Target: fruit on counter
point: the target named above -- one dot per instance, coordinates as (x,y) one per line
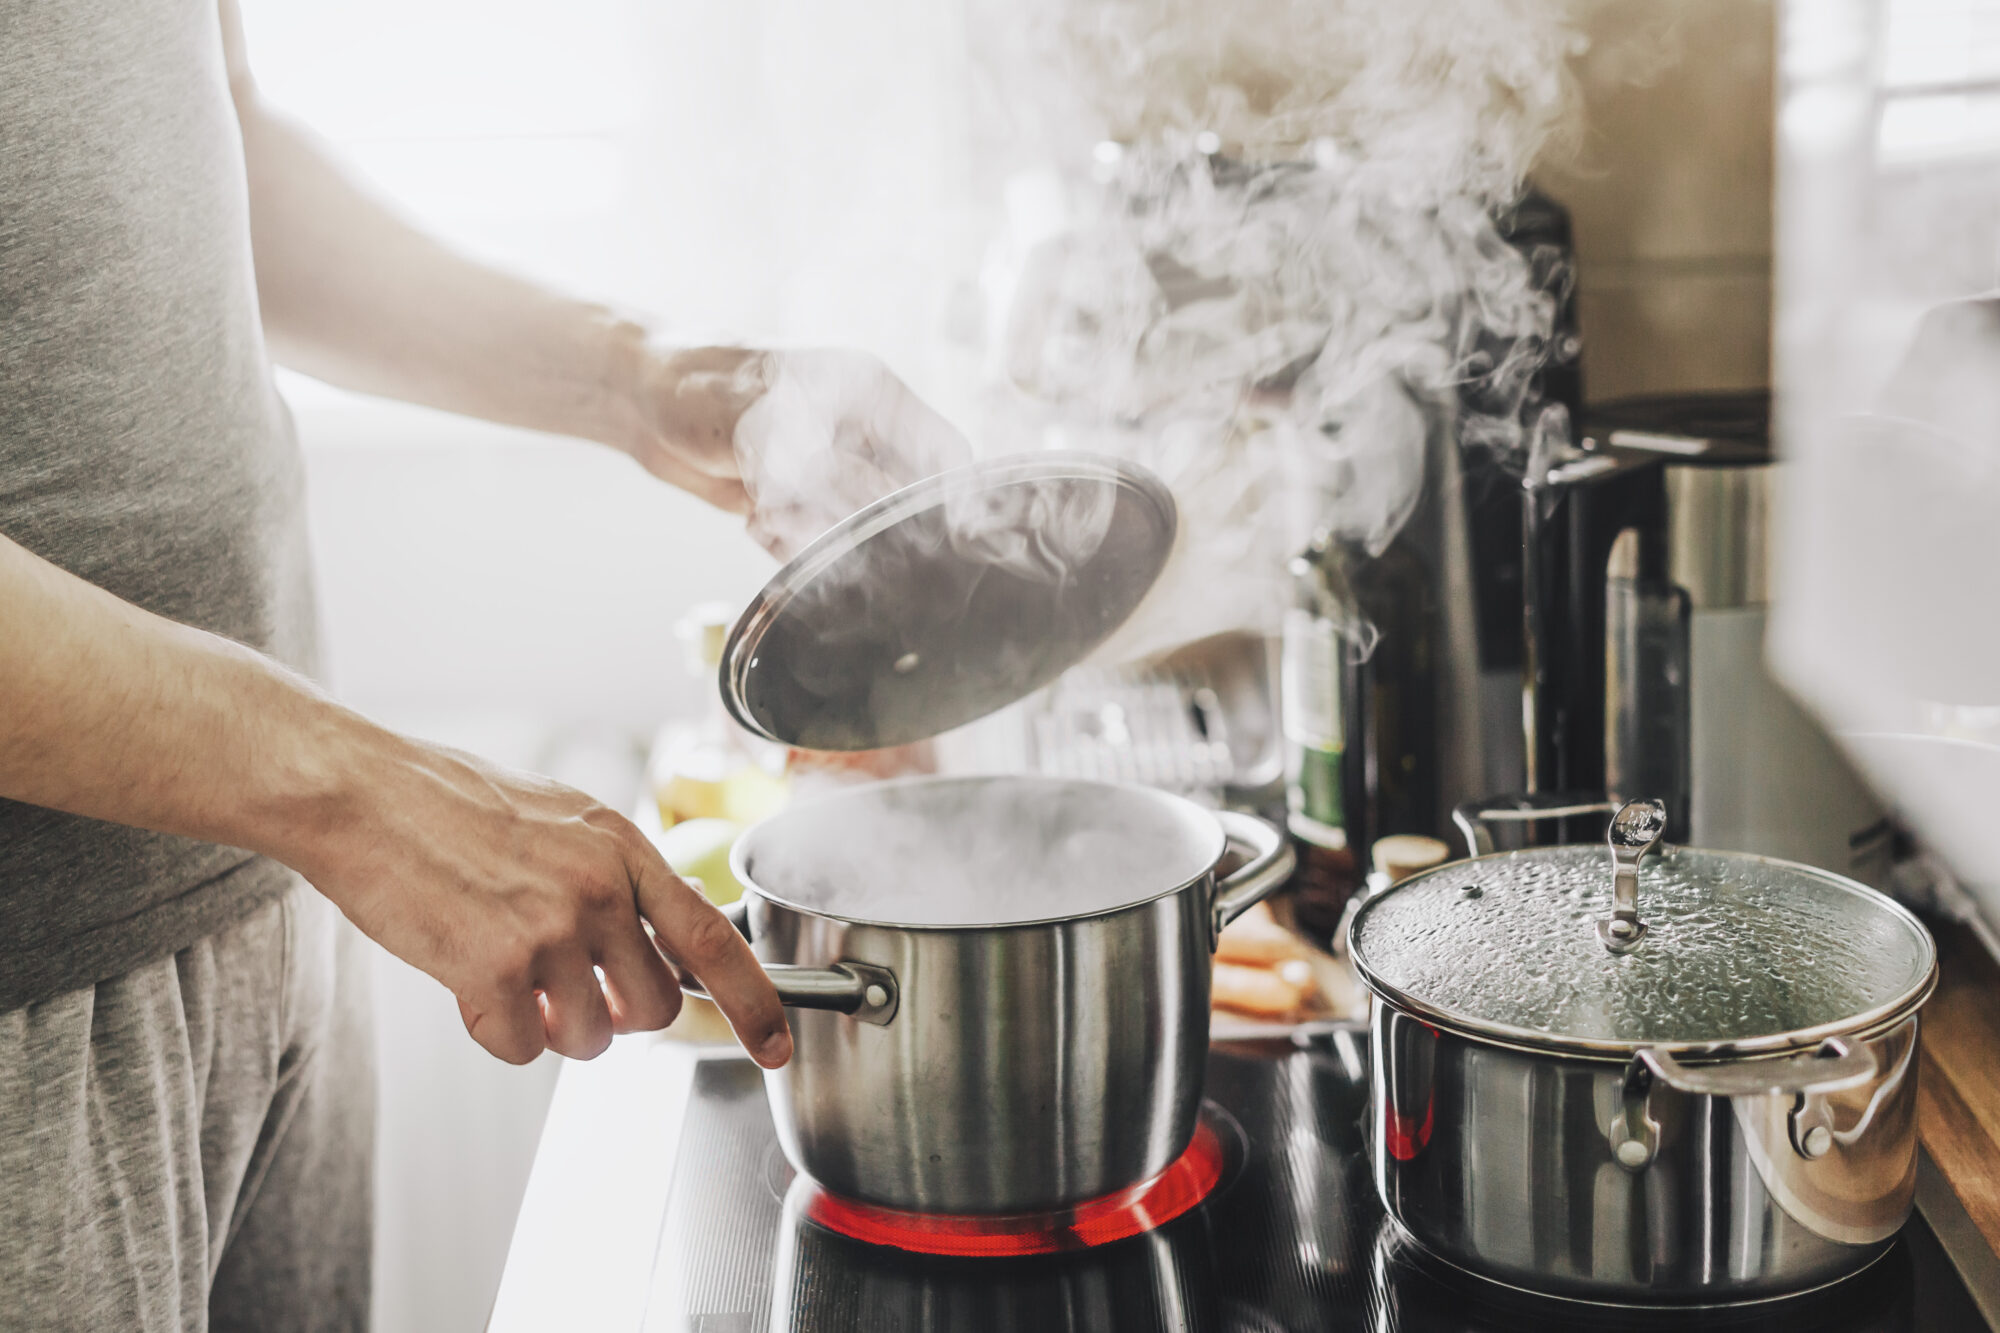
(708,767)
(691,781)
(699,849)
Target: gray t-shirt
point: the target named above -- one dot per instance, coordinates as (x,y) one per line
(142,444)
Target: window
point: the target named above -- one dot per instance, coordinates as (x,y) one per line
(1940,79)
(502,124)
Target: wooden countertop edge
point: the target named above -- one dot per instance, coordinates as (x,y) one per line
(1958,1077)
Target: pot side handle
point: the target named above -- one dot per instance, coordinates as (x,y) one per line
(863,990)
(1836,1066)
(1270,865)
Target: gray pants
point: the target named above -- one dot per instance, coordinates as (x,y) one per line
(189,1146)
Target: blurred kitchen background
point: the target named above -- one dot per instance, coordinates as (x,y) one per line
(820,171)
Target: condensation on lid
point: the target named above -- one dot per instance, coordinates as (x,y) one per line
(1737,947)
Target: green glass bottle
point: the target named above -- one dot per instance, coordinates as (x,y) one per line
(1313,706)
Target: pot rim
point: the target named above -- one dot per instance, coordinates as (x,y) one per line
(1693,1053)
(1879,1018)
(1181,806)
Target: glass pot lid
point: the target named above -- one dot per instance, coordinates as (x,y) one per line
(1726,951)
(947,601)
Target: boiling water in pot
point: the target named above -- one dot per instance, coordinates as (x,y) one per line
(980,851)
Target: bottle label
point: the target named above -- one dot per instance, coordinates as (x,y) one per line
(1309,676)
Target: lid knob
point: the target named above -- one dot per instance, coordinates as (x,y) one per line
(1635,830)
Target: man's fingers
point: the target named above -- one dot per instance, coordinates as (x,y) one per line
(783,530)
(700,939)
(726,493)
(642,991)
(574,1015)
(511,1030)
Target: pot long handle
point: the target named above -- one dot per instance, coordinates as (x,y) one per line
(867,992)
(1270,865)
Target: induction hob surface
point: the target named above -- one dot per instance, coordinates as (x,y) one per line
(1293,1238)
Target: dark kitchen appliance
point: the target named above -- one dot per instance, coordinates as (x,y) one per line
(1605,674)
(1423,715)
(1291,1240)
(1646,551)
(1595,533)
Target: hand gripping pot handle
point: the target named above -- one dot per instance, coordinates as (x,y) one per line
(1270,865)
(861,989)
(1836,1066)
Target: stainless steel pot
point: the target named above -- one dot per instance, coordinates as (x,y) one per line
(1704,1095)
(1017,1023)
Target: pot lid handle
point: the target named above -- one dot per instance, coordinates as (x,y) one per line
(1635,830)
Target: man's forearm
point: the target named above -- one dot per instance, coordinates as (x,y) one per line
(522,896)
(355,294)
(111,712)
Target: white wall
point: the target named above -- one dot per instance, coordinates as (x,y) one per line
(466,569)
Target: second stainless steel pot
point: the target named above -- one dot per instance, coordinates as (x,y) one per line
(1704,1094)
(1019,1021)
(1609,1182)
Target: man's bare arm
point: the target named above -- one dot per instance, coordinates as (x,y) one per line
(355,294)
(507,888)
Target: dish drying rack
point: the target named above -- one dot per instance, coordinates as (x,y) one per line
(1201,722)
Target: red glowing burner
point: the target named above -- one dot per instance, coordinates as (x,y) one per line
(1140,1208)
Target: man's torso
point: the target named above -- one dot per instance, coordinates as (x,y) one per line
(142,445)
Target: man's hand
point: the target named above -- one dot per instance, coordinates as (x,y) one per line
(793,440)
(518,894)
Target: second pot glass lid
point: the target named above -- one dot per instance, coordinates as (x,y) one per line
(1737,949)
(947,601)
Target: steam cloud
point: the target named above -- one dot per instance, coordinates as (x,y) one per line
(970,852)
(1254,245)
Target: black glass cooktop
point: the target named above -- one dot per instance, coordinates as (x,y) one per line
(1293,1239)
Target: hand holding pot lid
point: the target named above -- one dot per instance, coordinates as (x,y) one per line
(794,440)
